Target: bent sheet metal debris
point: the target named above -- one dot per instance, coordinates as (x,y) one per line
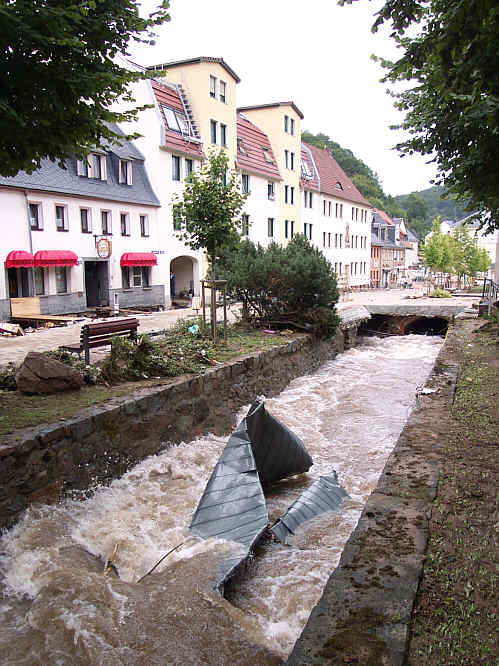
(260,451)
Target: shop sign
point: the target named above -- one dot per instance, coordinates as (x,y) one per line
(104,248)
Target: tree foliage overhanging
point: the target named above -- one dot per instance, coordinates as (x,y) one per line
(277,285)
(60,76)
(452,108)
(206,214)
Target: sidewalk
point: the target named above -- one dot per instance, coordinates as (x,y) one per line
(44,339)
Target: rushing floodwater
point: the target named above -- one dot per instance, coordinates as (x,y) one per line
(56,606)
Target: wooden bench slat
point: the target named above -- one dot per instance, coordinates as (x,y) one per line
(102,333)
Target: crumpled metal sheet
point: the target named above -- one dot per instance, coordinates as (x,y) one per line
(233,507)
(322,496)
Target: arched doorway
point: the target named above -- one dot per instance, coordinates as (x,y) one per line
(184,279)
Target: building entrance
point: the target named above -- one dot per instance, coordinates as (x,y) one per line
(97,283)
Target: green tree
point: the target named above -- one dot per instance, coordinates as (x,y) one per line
(294,284)
(449,56)
(207,213)
(60,76)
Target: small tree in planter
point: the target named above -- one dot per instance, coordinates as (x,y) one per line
(206,214)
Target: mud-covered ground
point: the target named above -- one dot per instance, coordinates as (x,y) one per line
(454,619)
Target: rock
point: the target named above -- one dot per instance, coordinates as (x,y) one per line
(41,374)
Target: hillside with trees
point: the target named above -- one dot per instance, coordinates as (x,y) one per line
(418,208)
(364,178)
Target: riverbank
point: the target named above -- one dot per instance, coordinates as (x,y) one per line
(454,618)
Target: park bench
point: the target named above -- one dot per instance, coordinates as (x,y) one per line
(102,334)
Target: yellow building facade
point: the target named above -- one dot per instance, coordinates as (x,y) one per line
(281,122)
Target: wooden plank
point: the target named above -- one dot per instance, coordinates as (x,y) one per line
(27,306)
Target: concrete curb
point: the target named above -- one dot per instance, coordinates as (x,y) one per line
(364,614)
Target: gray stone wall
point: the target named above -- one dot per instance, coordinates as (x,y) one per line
(102,442)
(5,309)
(139,296)
(54,304)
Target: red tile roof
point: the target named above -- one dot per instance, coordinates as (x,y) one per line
(168,95)
(330,173)
(254,141)
(384,216)
(308,182)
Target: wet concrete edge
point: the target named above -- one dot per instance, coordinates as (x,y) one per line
(365,610)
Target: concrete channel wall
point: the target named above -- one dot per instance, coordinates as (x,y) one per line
(364,613)
(46,462)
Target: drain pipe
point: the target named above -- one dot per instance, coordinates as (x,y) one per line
(31,288)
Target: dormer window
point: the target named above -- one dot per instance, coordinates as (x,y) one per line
(267,155)
(240,146)
(339,186)
(305,170)
(176,120)
(93,167)
(125,172)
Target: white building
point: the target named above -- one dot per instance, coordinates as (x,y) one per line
(74,237)
(336,217)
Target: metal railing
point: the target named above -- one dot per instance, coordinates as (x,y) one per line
(490,293)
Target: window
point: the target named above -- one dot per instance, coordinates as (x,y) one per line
(307,230)
(267,155)
(61,218)
(125,277)
(140,277)
(324,207)
(270,227)
(245,225)
(39,281)
(286,159)
(336,267)
(339,186)
(213,130)
(144,225)
(292,228)
(292,161)
(286,228)
(286,193)
(125,172)
(92,167)
(125,224)
(341,268)
(61,281)
(291,125)
(106,222)
(97,167)
(323,239)
(305,170)
(189,166)
(223,134)
(270,191)
(329,240)
(335,240)
(223,92)
(341,210)
(341,241)
(292,195)
(308,199)
(329,208)
(286,124)
(289,228)
(86,225)
(175,167)
(35,217)
(241,147)
(176,121)
(213,87)
(245,183)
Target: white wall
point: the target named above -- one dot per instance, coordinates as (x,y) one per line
(15,236)
(259,208)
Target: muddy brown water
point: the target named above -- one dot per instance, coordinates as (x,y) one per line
(57,607)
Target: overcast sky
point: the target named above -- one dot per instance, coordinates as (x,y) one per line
(314,53)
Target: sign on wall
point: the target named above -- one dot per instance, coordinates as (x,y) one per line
(104,248)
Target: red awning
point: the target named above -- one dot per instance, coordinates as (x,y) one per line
(138,259)
(56,258)
(19,259)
